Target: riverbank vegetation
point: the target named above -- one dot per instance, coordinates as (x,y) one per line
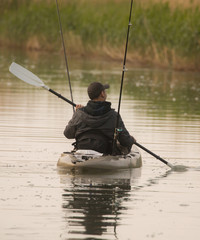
(164,33)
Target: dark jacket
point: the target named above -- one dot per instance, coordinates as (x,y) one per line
(93,128)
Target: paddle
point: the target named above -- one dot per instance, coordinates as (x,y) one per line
(177,168)
(30,78)
(156,156)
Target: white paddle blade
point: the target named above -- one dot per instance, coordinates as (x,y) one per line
(25,75)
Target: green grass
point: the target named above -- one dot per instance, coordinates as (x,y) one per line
(159,34)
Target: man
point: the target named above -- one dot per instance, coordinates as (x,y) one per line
(93,126)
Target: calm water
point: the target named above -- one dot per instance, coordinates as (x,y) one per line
(38,201)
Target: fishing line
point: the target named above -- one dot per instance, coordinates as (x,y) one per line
(64,50)
(122,81)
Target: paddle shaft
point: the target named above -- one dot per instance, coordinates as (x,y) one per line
(60,96)
(30,78)
(153,154)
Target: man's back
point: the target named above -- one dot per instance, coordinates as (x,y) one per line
(93,128)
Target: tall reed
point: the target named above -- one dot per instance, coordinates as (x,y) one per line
(161,34)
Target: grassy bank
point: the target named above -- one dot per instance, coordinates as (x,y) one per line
(163,34)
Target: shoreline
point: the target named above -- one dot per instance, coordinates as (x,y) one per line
(132,58)
(161,36)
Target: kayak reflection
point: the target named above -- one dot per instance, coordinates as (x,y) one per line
(94,201)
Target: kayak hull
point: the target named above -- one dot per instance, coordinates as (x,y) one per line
(93,159)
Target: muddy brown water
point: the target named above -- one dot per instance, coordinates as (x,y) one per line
(39,201)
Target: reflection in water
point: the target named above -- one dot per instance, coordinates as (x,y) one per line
(94,201)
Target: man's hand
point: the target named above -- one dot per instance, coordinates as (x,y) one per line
(78,106)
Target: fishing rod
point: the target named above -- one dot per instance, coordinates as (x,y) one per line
(64,50)
(122,81)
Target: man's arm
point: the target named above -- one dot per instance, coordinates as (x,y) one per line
(70,129)
(124,137)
